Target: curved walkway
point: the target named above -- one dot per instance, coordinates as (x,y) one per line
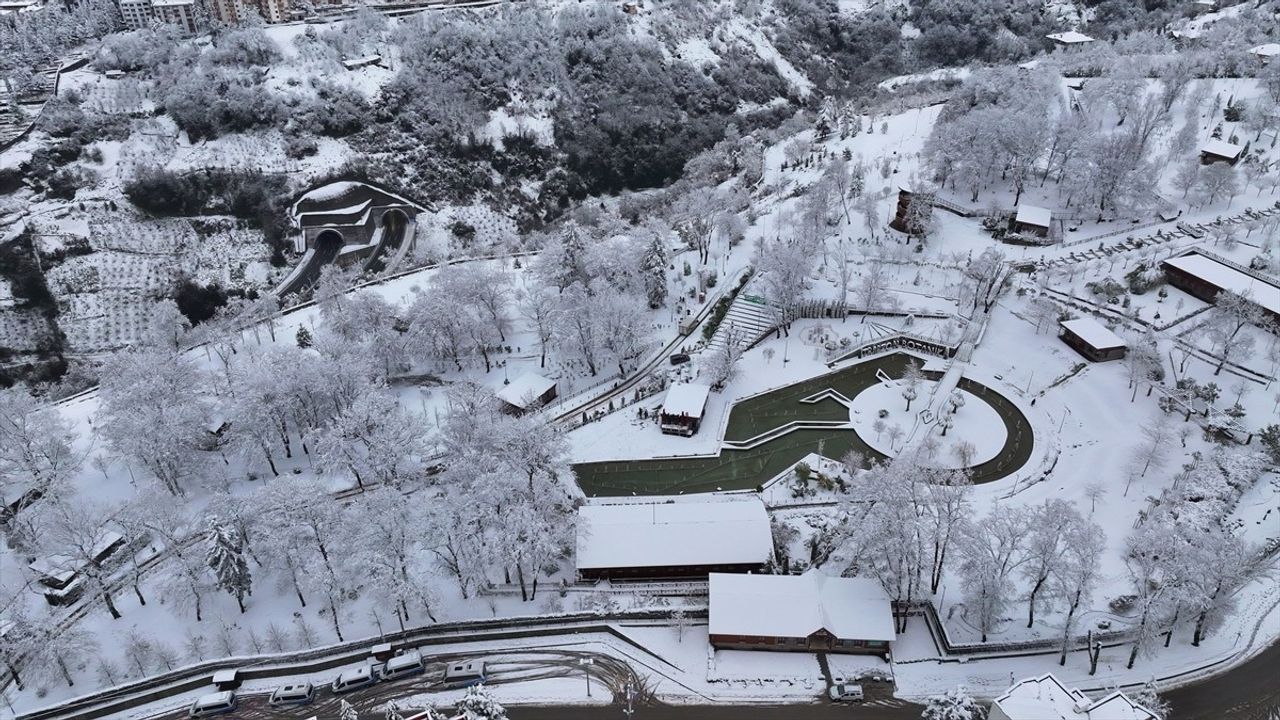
(755,417)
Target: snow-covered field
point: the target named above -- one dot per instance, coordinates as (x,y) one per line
(1110,454)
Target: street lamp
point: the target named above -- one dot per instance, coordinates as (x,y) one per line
(586,664)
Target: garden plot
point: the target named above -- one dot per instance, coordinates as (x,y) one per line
(464,231)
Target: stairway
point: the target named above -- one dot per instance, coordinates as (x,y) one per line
(750,318)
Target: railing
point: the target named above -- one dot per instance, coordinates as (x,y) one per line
(117,700)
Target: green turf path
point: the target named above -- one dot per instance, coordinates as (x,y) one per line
(744,469)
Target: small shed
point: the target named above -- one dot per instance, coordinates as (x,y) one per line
(1220,151)
(227,679)
(1070,38)
(1092,339)
(805,613)
(1032,220)
(683,408)
(672,537)
(528,392)
(360,62)
(1265,52)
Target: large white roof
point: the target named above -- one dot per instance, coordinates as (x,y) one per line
(673,532)
(1260,292)
(1094,333)
(686,399)
(1033,215)
(1221,148)
(522,391)
(1046,698)
(1070,37)
(1267,50)
(796,606)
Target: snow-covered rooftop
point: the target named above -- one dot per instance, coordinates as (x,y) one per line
(673,533)
(1094,333)
(1221,148)
(796,606)
(686,399)
(1070,37)
(1046,698)
(524,390)
(1267,50)
(1033,215)
(1262,293)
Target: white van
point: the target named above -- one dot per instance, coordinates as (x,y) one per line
(350,680)
(213,704)
(851,692)
(464,674)
(300,694)
(403,666)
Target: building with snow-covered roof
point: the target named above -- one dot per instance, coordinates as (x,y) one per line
(1046,698)
(1205,275)
(806,613)
(1070,38)
(1266,51)
(1032,220)
(672,537)
(1092,339)
(682,409)
(528,392)
(1219,151)
(361,62)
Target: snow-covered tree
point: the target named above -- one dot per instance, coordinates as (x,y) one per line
(912,377)
(654,270)
(1055,523)
(720,364)
(478,704)
(871,291)
(1077,574)
(375,439)
(539,306)
(37,450)
(346,711)
(784,270)
(990,552)
(151,413)
(1149,698)
(73,530)
(224,554)
(955,704)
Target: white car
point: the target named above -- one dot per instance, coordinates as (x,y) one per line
(846,693)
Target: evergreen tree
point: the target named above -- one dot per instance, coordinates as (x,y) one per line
(304,338)
(225,557)
(655,272)
(955,704)
(478,705)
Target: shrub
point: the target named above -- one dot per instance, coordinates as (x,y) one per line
(199,302)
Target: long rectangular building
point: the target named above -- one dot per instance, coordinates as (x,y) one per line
(672,537)
(804,613)
(1204,275)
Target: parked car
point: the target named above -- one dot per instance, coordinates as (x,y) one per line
(846,693)
(300,694)
(465,674)
(360,677)
(213,704)
(403,666)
